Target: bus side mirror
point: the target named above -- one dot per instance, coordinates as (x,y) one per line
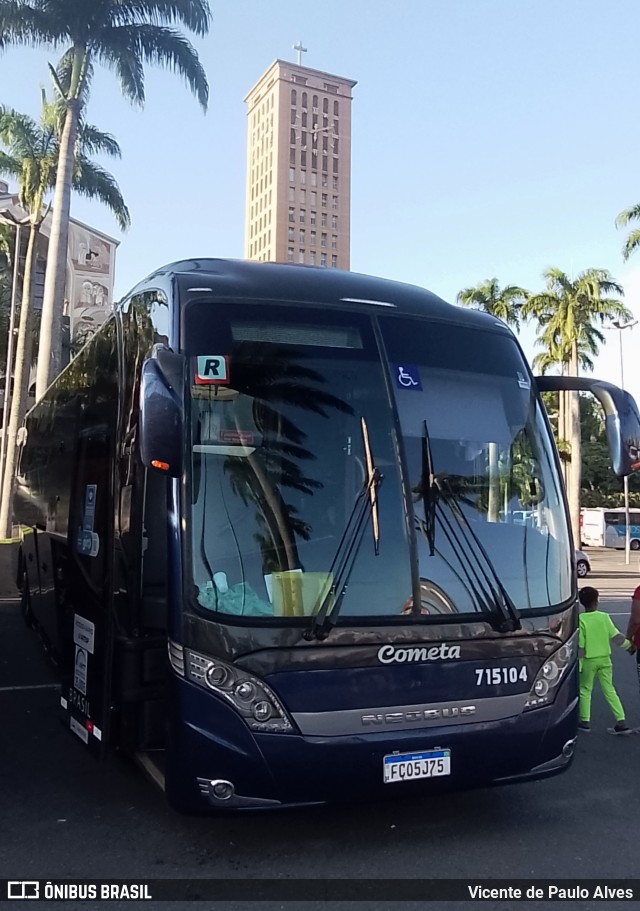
(621,412)
(161,423)
(623,433)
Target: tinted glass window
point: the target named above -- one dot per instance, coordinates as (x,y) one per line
(287,407)
(481,467)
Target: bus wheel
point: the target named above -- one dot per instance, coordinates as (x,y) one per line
(635,544)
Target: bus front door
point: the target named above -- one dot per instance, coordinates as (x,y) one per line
(86,577)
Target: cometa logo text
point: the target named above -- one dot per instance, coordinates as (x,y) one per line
(392,654)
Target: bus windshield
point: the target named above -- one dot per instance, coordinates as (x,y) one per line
(290,410)
(491,459)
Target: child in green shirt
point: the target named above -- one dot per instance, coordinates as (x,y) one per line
(597,631)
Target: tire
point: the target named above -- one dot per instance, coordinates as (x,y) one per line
(582,568)
(635,544)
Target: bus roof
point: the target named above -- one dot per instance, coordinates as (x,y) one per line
(268,281)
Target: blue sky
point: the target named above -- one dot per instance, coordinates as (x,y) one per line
(490,138)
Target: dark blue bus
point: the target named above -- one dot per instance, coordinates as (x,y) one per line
(274,540)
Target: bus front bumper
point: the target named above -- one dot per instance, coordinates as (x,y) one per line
(215,761)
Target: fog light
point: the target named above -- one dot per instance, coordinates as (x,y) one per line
(569,748)
(223,790)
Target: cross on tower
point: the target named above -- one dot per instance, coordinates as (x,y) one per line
(301,50)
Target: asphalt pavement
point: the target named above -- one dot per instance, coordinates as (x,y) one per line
(62,815)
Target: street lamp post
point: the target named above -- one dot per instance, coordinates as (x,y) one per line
(627,537)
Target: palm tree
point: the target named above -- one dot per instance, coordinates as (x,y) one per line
(31,157)
(5,307)
(504,303)
(123,35)
(568,313)
(6,232)
(552,357)
(633,240)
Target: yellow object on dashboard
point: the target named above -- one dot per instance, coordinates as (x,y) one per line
(299,594)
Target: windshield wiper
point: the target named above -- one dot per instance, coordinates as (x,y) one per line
(500,600)
(486,588)
(429,490)
(373,487)
(366,503)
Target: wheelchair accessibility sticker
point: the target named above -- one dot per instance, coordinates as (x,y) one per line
(407,376)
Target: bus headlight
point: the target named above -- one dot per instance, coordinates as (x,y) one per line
(251,697)
(551,673)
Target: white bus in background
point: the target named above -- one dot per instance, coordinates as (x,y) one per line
(602,527)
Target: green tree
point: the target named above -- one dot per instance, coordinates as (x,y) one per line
(600,486)
(504,303)
(568,313)
(6,238)
(552,356)
(31,153)
(122,35)
(633,240)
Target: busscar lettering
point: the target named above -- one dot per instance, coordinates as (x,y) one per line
(417,715)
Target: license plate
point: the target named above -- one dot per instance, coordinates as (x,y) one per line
(410,766)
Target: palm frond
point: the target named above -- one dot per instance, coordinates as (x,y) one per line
(627,215)
(195,15)
(569,311)
(18,131)
(9,165)
(93,141)
(29,24)
(505,303)
(631,244)
(120,55)
(32,158)
(92,181)
(121,34)
(167,47)
(544,362)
